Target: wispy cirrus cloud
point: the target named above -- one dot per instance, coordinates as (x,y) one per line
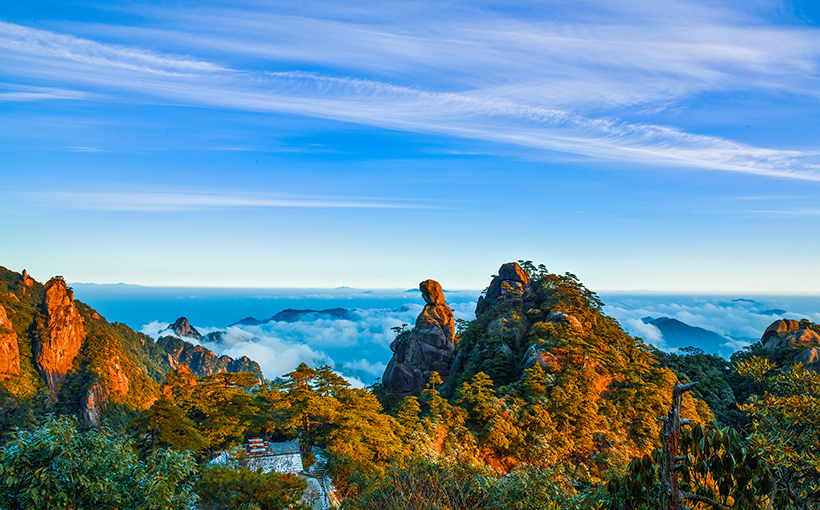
(587,89)
(137,201)
(35,43)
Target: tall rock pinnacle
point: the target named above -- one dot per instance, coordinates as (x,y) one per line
(55,352)
(425,349)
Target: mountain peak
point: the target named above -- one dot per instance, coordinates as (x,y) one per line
(183,328)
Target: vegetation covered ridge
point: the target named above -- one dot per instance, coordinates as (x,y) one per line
(542,402)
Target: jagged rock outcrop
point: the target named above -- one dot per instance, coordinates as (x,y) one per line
(202,361)
(183,328)
(512,282)
(57,347)
(425,349)
(9,350)
(788,335)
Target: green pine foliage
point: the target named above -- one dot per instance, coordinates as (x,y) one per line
(56,466)
(237,486)
(596,395)
(716,382)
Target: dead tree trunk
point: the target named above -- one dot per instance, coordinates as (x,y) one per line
(671,461)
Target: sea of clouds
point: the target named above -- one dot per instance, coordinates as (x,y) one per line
(740,320)
(357,347)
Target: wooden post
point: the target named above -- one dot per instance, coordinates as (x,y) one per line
(669,463)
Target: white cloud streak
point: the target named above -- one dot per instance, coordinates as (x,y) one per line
(135,201)
(558,86)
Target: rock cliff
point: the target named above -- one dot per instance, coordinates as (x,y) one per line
(787,337)
(60,344)
(95,369)
(9,351)
(425,349)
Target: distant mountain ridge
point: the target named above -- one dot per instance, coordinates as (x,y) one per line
(291,315)
(678,334)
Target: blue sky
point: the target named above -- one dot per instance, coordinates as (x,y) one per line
(669,146)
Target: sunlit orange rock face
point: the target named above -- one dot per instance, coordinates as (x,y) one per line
(788,334)
(58,346)
(425,349)
(437,318)
(9,352)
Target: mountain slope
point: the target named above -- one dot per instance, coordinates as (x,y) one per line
(542,365)
(59,353)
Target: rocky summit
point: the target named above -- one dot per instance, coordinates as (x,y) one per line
(511,281)
(426,348)
(183,328)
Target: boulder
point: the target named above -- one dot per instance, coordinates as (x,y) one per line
(786,334)
(431,292)
(9,351)
(782,326)
(425,349)
(54,352)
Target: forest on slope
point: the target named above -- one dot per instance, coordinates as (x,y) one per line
(542,401)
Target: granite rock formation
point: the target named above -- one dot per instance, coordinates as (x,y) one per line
(183,328)
(202,361)
(512,282)
(786,335)
(426,348)
(9,350)
(60,344)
